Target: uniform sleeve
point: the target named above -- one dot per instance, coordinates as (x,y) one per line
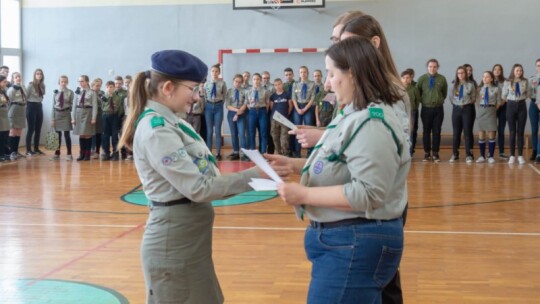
(181,172)
(94,102)
(445,86)
(499,97)
(528,89)
(419,84)
(505,90)
(224,89)
(11,93)
(294,97)
(373,163)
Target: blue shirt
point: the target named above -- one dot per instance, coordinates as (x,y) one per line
(281,103)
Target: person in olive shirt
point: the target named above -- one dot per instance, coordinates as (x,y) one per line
(433,89)
(414,98)
(112,105)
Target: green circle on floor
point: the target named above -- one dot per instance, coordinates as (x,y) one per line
(137,197)
(30,291)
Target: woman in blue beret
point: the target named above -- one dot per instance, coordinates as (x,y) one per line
(180,178)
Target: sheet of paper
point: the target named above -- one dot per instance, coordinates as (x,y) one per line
(263,184)
(282,119)
(256,157)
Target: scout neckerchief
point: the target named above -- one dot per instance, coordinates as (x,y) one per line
(486,96)
(160,121)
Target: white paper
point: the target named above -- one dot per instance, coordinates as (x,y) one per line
(256,157)
(263,184)
(282,119)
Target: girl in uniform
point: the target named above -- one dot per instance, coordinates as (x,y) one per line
(355,184)
(180,178)
(84,116)
(498,72)
(61,115)
(237,106)
(4,121)
(216,89)
(515,91)
(462,97)
(304,109)
(534,83)
(16,113)
(34,111)
(489,98)
(258,100)
(97,138)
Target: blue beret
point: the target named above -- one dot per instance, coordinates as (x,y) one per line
(179,64)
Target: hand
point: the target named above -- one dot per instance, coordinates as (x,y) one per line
(307,137)
(93,121)
(235,118)
(292,193)
(281,164)
(53,124)
(73,121)
(318,123)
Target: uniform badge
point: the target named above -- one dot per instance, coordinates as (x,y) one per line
(166,160)
(318,167)
(202,164)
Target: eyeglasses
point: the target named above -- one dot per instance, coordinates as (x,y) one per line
(334,39)
(193,88)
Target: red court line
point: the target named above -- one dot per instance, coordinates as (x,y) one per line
(75,260)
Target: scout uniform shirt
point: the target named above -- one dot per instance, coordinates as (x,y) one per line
(534,83)
(234,99)
(366,152)
(464,94)
(516,90)
(173,161)
(257,98)
(302,92)
(33,94)
(113,104)
(493,96)
(4,121)
(217,94)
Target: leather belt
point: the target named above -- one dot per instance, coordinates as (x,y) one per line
(181,201)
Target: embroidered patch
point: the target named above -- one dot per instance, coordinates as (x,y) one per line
(166,160)
(157,121)
(318,167)
(202,164)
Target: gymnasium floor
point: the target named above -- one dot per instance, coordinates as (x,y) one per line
(472,236)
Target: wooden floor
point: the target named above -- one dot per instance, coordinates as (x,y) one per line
(472,235)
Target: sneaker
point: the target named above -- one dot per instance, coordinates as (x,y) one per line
(69,158)
(19,155)
(130,157)
(491,160)
(94,155)
(38,151)
(115,156)
(533,155)
(234,156)
(244,158)
(55,157)
(481,159)
(503,156)
(105,157)
(218,157)
(511,160)
(469,159)
(521,160)
(436,158)
(29,153)
(454,158)
(13,156)
(427,158)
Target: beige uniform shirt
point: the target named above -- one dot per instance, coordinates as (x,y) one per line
(372,172)
(469,94)
(173,162)
(509,90)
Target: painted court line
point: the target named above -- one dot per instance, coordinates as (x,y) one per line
(69,225)
(535,169)
(89,252)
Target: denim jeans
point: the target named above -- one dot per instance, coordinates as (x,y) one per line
(533,116)
(213,114)
(352,264)
(307,119)
(238,130)
(258,117)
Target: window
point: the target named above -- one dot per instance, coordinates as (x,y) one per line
(10,34)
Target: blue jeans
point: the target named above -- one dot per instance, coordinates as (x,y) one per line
(238,130)
(533,116)
(352,264)
(258,117)
(307,119)
(213,114)
(111,127)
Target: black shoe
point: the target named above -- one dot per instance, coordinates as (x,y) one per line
(503,156)
(30,153)
(81,157)
(38,151)
(533,155)
(244,158)
(105,157)
(537,159)
(234,156)
(218,157)
(427,157)
(436,158)
(115,156)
